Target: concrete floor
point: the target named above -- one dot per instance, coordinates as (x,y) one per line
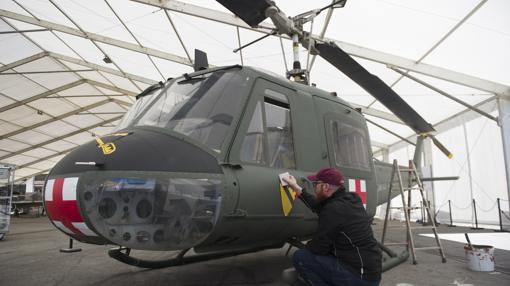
(29,255)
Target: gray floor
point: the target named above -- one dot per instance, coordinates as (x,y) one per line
(29,255)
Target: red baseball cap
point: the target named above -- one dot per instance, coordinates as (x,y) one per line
(328,175)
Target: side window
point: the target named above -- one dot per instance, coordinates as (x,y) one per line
(349,145)
(279,134)
(270,133)
(252,149)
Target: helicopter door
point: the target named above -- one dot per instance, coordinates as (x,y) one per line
(348,146)
(264,147)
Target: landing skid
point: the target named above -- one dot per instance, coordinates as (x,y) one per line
(122,254)
(393,258)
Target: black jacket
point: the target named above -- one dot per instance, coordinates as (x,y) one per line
(344,231)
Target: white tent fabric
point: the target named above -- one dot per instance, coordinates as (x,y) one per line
(56,90)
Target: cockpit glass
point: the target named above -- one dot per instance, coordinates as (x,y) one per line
(202,108)
(137,108)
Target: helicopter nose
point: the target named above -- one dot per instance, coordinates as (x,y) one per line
(152,211)
(62,209)
(163,204)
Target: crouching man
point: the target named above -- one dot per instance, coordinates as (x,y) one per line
(343,251)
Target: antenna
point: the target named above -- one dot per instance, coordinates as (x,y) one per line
(201,62)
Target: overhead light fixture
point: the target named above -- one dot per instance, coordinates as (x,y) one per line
(107,60)
(39,112)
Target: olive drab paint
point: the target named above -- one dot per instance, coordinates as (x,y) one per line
(206,177)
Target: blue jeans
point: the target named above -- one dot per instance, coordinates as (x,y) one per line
(325,270)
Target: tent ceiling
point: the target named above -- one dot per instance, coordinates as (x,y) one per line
(56,91)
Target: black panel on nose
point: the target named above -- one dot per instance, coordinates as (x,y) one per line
(141,149)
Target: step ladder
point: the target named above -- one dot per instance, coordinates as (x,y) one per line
(413,183)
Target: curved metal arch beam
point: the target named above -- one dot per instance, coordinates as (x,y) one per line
(65,87)
(61,137)
(98,68)
(354,50)
(487,105)
(56,118)
(38,160)
(42,95)
(136,48)
(95,37)
(27,165)
(23,61)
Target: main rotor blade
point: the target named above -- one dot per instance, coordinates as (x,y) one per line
(250,11)
(441,147)
(374,85)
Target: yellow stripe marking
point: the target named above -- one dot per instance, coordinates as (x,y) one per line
(107,148)
(287,204)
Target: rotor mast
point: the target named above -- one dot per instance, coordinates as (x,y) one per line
(290,27)
(253,12)
(293,27)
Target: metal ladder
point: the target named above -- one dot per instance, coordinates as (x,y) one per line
(414,183)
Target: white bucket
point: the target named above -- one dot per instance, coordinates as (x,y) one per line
(480,257)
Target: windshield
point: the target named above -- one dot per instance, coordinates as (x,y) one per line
(202,108)
(137,108)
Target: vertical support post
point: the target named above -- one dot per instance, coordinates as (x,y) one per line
(470,181)
(70,249)
(421,211)
(499,214)
(432,214)
(504,123)
(239,42)
(7,181)
(500,219)
(295,52)
(388,201)
(476,217)
(450,210)
(410,178)
(418,151)
(386,158)
(427,171)
(386,155)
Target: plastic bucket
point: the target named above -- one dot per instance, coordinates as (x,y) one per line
(480,257)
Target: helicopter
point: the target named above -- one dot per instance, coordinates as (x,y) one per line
(194,163)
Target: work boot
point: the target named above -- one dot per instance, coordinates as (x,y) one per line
(291,277)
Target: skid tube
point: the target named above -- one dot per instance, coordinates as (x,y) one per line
(122,254)
(394,259)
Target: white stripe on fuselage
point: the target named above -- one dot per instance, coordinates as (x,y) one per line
(84,228)
(69,189)
(48,192)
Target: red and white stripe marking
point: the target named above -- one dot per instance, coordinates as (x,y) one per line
(359,187)
(62,208)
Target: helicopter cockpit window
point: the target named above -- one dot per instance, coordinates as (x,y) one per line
(276,96)
(137,108)
(200,109)
(252,149)
(349,146)
(279,134)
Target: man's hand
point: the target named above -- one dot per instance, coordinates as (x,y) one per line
(291,181)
